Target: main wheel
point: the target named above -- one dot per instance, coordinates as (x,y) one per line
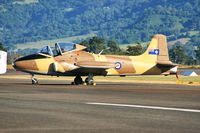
(89,81)
(78,80)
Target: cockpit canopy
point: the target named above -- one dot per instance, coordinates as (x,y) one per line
(65,47)
(59,49)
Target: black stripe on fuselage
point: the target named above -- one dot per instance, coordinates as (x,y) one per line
(32,57)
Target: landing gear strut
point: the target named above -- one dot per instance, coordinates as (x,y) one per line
(78,80)
(89,80)
(34,80)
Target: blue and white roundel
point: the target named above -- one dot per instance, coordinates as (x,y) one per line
(118,65)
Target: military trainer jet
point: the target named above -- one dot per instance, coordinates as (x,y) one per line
(67,59)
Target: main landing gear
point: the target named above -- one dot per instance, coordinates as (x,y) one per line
(88,81)
(34,80)
(78,80)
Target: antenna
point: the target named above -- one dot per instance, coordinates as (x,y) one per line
(100,52)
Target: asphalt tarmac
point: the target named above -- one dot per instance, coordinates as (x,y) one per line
(58,107)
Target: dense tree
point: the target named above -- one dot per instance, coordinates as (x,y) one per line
(178,55)
(134,50)
(2,47)
(197,51)
(113,47)
(126,21)
(95,44)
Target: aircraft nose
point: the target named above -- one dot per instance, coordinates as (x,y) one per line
(16,64)
(13,64)
(25,63)
(20,64)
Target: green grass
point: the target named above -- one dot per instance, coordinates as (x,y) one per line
(182,40)
(193,33)
(124,46)
(25,2)
(141,79)
(68,9)
(159,78)
(40,44)
(191,66)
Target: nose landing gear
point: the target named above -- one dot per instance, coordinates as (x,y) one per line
(34,80)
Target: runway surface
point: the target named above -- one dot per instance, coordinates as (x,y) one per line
(57,106)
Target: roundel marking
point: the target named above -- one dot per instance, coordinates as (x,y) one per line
(118,65)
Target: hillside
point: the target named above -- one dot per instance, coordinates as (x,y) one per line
(125,21)
(42,43)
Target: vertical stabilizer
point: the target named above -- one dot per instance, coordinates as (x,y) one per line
(3,62)
(157,50)
(162,46)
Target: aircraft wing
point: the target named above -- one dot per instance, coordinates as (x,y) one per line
(95,65)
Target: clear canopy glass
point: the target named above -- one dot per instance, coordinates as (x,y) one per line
(60,47)
(65,47)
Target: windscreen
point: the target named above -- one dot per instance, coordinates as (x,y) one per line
(65,47)
(46,50)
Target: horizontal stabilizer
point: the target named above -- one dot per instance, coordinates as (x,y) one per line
(166,63)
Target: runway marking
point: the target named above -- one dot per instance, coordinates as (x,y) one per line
(145,107)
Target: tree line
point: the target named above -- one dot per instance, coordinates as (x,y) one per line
(177,53)
(98,45)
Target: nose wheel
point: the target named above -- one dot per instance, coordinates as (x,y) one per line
(34,80)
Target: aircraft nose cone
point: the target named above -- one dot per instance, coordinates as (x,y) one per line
(24,63)
(13,64)
(19,64)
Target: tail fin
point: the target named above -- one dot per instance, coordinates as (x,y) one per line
(157,51)
(155,60)
(3,62)
(158,46)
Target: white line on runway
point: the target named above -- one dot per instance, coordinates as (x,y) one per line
(145,107)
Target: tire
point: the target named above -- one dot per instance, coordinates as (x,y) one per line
(78,80)
(89,82)
(34,81)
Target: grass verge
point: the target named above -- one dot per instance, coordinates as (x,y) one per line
(139,79)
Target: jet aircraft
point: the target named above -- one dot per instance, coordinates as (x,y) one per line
(68,59)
